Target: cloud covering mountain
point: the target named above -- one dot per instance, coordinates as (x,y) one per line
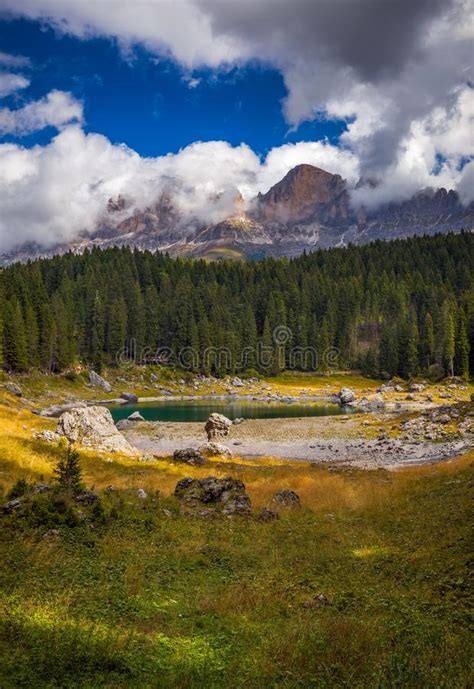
(398,72)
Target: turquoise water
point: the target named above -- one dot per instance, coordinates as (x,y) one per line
(199,410)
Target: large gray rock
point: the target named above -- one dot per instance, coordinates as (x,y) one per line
(129,397)
(416,387)
(225,495)
(13,388)
(57,409)
(189,456)
(217,426)
(346,396)
(98,382)
(135,416)
(124,424)
(93,427)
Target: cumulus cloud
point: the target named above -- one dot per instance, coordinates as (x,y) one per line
(50,194)
(56,109)
(398,71)
(387,67)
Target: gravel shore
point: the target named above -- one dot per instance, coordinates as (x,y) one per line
(333,440)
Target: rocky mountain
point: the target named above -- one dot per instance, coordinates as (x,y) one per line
(308,209)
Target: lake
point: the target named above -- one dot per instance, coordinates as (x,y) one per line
(199,410)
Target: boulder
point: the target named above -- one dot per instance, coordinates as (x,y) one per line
(287,498)
(416,387)
(237,421)
(12,506)
(13,388)
(346,395)
(135,416)
(47,436)
(217,426)
(237,383)
(225,495)
(129,397)
(98,382)
(267,515)
(93,427)
(123,424)
(57,409)
(141,494)
(189,456)
(87,497)
(215,450)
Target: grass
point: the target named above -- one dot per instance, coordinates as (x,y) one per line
(154,599)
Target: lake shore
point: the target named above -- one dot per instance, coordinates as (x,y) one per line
(341,440)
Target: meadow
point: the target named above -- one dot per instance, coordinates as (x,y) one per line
(143,596)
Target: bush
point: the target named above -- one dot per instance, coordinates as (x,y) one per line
(71,376)
(18,489)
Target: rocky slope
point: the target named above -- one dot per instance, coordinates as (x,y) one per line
(308,209)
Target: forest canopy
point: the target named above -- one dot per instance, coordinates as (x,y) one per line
(390,308)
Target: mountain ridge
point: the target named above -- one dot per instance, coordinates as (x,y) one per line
(308,209)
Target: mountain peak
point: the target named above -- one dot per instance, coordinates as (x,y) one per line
(306,191)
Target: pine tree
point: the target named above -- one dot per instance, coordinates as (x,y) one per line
(462,347)
(116,329)
(68,472)
(14,343)
(448,338)
(97,334)
(428,340)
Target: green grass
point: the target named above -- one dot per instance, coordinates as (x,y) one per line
(154,599)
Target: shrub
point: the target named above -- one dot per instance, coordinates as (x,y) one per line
(18,489)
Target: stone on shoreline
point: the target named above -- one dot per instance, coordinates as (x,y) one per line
(129,397)
(346,395)
(215,450)
(93,427)
(217,426)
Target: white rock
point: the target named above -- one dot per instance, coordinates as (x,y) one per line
(215,450)
(94,427)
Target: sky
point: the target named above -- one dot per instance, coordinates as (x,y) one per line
(106,97)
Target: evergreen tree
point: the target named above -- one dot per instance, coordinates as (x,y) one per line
(462,347)
(14,343)
(68,472)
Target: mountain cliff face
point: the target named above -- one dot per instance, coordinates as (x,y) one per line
(305,194)
(308,209)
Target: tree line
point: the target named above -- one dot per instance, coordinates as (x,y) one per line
(403,308)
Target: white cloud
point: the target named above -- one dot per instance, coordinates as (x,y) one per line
(13,61)
(387,66)
(56,109)
(9,83)
(51,193)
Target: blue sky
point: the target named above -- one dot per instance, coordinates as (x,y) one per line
(146,101)
(211,96)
